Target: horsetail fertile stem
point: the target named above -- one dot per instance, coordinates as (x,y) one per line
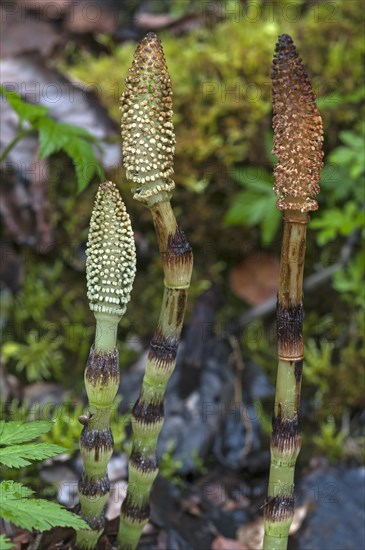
(148,148)
(298,137)
(110,271)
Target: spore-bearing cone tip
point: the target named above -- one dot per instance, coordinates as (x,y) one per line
(298,131)
(284,39)
(111,253)
(146,123)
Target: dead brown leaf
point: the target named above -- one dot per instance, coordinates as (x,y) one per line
(300,514)
(256,278)
(221,543)
(252,534)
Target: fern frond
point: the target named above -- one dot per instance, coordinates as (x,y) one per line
(30,514)
(14,432)
(5,544)
(17,456)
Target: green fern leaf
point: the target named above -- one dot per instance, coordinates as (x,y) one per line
(18,456)
(84,161)
(31,514)
(76,131)
(54,136)
(19,432)
(24,110)
(12,490)
(251,208)
(51,137)
(5,544)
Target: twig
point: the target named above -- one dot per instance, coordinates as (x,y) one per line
(240,367)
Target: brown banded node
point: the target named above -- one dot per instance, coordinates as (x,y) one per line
(143,462)
(149,413)
(279,509)
(163,350)
(285,435)
(148,148)
(110,271)
(290,332)
(298,139)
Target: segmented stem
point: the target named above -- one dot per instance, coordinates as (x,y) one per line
(96,442)
(110,271)
(148,141)
(285,440)
(148,412)
(298,136)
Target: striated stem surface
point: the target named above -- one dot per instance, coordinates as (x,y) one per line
(148,412)
(96,441)
(298,137)
(148,147)
(110,268)
(285,440)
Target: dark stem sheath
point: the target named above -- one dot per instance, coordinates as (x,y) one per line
(298,138)
(148,412)
(285,440)
(110,271)
(96,441)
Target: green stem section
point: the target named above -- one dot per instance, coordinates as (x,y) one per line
(22,134)
(106,331)
(96,441)
(285,440)
(148,412)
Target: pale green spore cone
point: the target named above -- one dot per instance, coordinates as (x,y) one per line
(110,271)
(111,259)
(146,123)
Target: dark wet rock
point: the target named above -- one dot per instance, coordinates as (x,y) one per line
(172,540)
(201,330)
(10,387)
(65,480)
(223,497)
(240,437)
(336,520)
(190,516)
(255,383)
(117,467)
(192,423)
(130,384)
(201,413)
(42,397)
(201,388)
(22,34)
(184,530)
